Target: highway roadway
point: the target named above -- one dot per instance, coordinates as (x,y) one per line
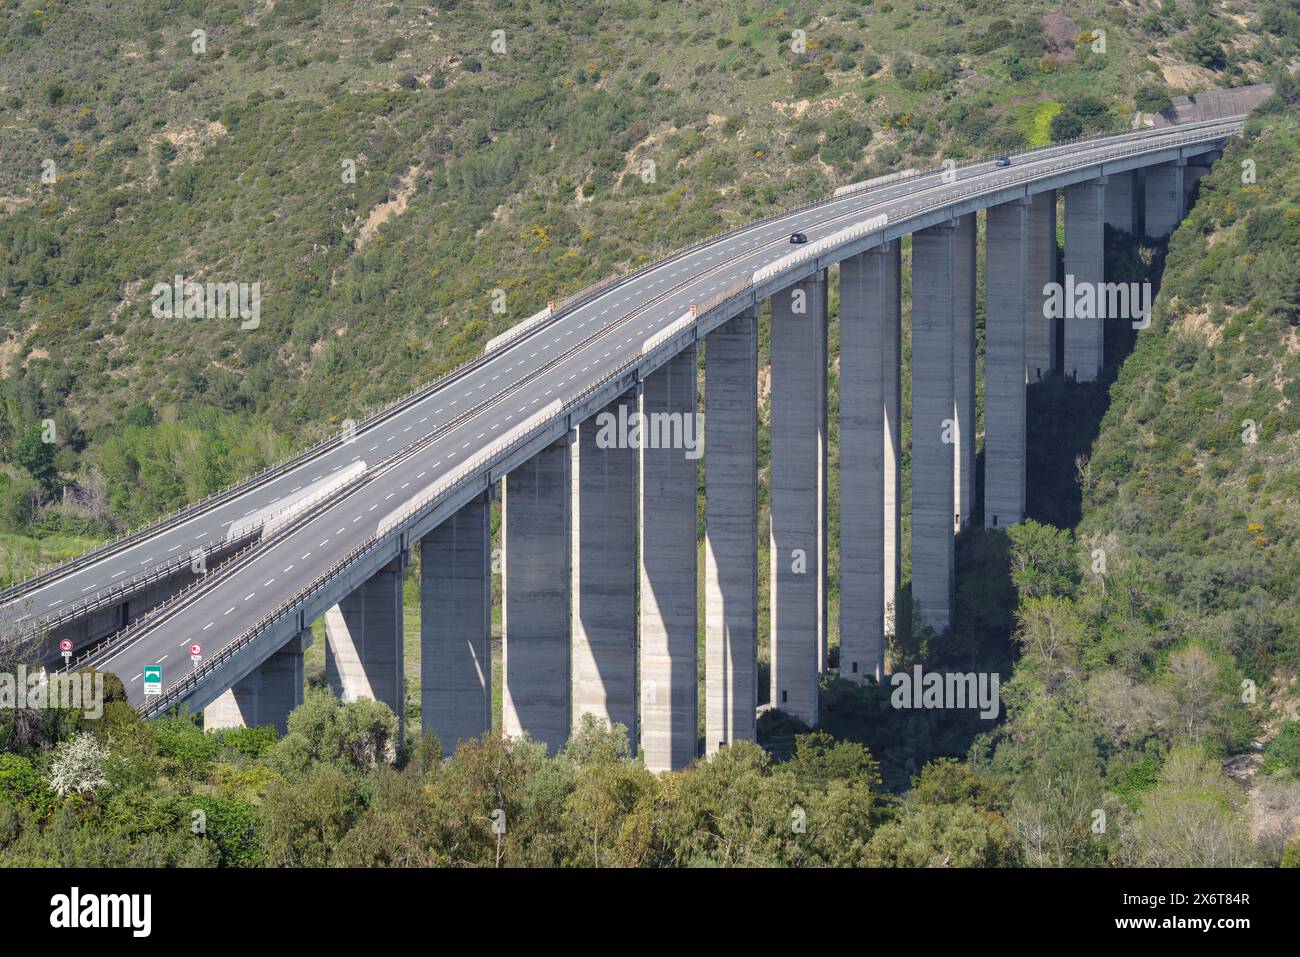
(520,379)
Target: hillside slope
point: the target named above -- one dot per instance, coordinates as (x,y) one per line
(1160,639)
(493,171)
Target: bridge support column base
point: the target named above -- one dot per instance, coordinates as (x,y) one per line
(731,532)
(1085,259)
(669,629)
(934,429)
(869,307)
(1040,260)
(364,651)
(603,510)
(456,626)
(1007,293)
(798,483)
(266,696)
(535,657)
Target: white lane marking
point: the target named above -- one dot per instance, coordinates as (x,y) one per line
(208,625)
(228,610)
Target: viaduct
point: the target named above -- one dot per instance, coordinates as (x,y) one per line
(599,541)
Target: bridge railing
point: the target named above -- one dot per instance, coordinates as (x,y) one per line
(114,593)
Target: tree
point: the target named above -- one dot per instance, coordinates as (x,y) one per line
(1065,126)
(732,811)
(1043,560)
(1152,98)
(1202,46)
(1192,681)
(37,457)
(596,813)
(78,766)
(1058,786)
(1195,817)
(595,742)
(1050,632)
(354,734)
(305,819)
(949,781)
(944,835)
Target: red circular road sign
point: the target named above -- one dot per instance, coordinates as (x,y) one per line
(65,644)
(196,649)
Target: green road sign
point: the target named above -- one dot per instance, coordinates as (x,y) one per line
(153,679)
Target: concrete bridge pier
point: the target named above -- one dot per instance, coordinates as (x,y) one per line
(869,319)
(267,695)
(1121,201)
(1085,259)
(963,371)
(798,489)
(669,628)
(364,652)
(1040,331)
(934,283)
(1165,198)
(456,626)
(1007,302)
(731,532)
(891,348)
(603,512)
(535,601)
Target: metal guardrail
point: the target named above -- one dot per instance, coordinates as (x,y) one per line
(114,593)
(158,612)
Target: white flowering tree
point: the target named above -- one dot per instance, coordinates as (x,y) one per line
(78,765)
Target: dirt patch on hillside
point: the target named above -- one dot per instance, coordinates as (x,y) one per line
(393,207)
(190,142)
(1199,324)
(1062,32)
(8,349)
(1184,76)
